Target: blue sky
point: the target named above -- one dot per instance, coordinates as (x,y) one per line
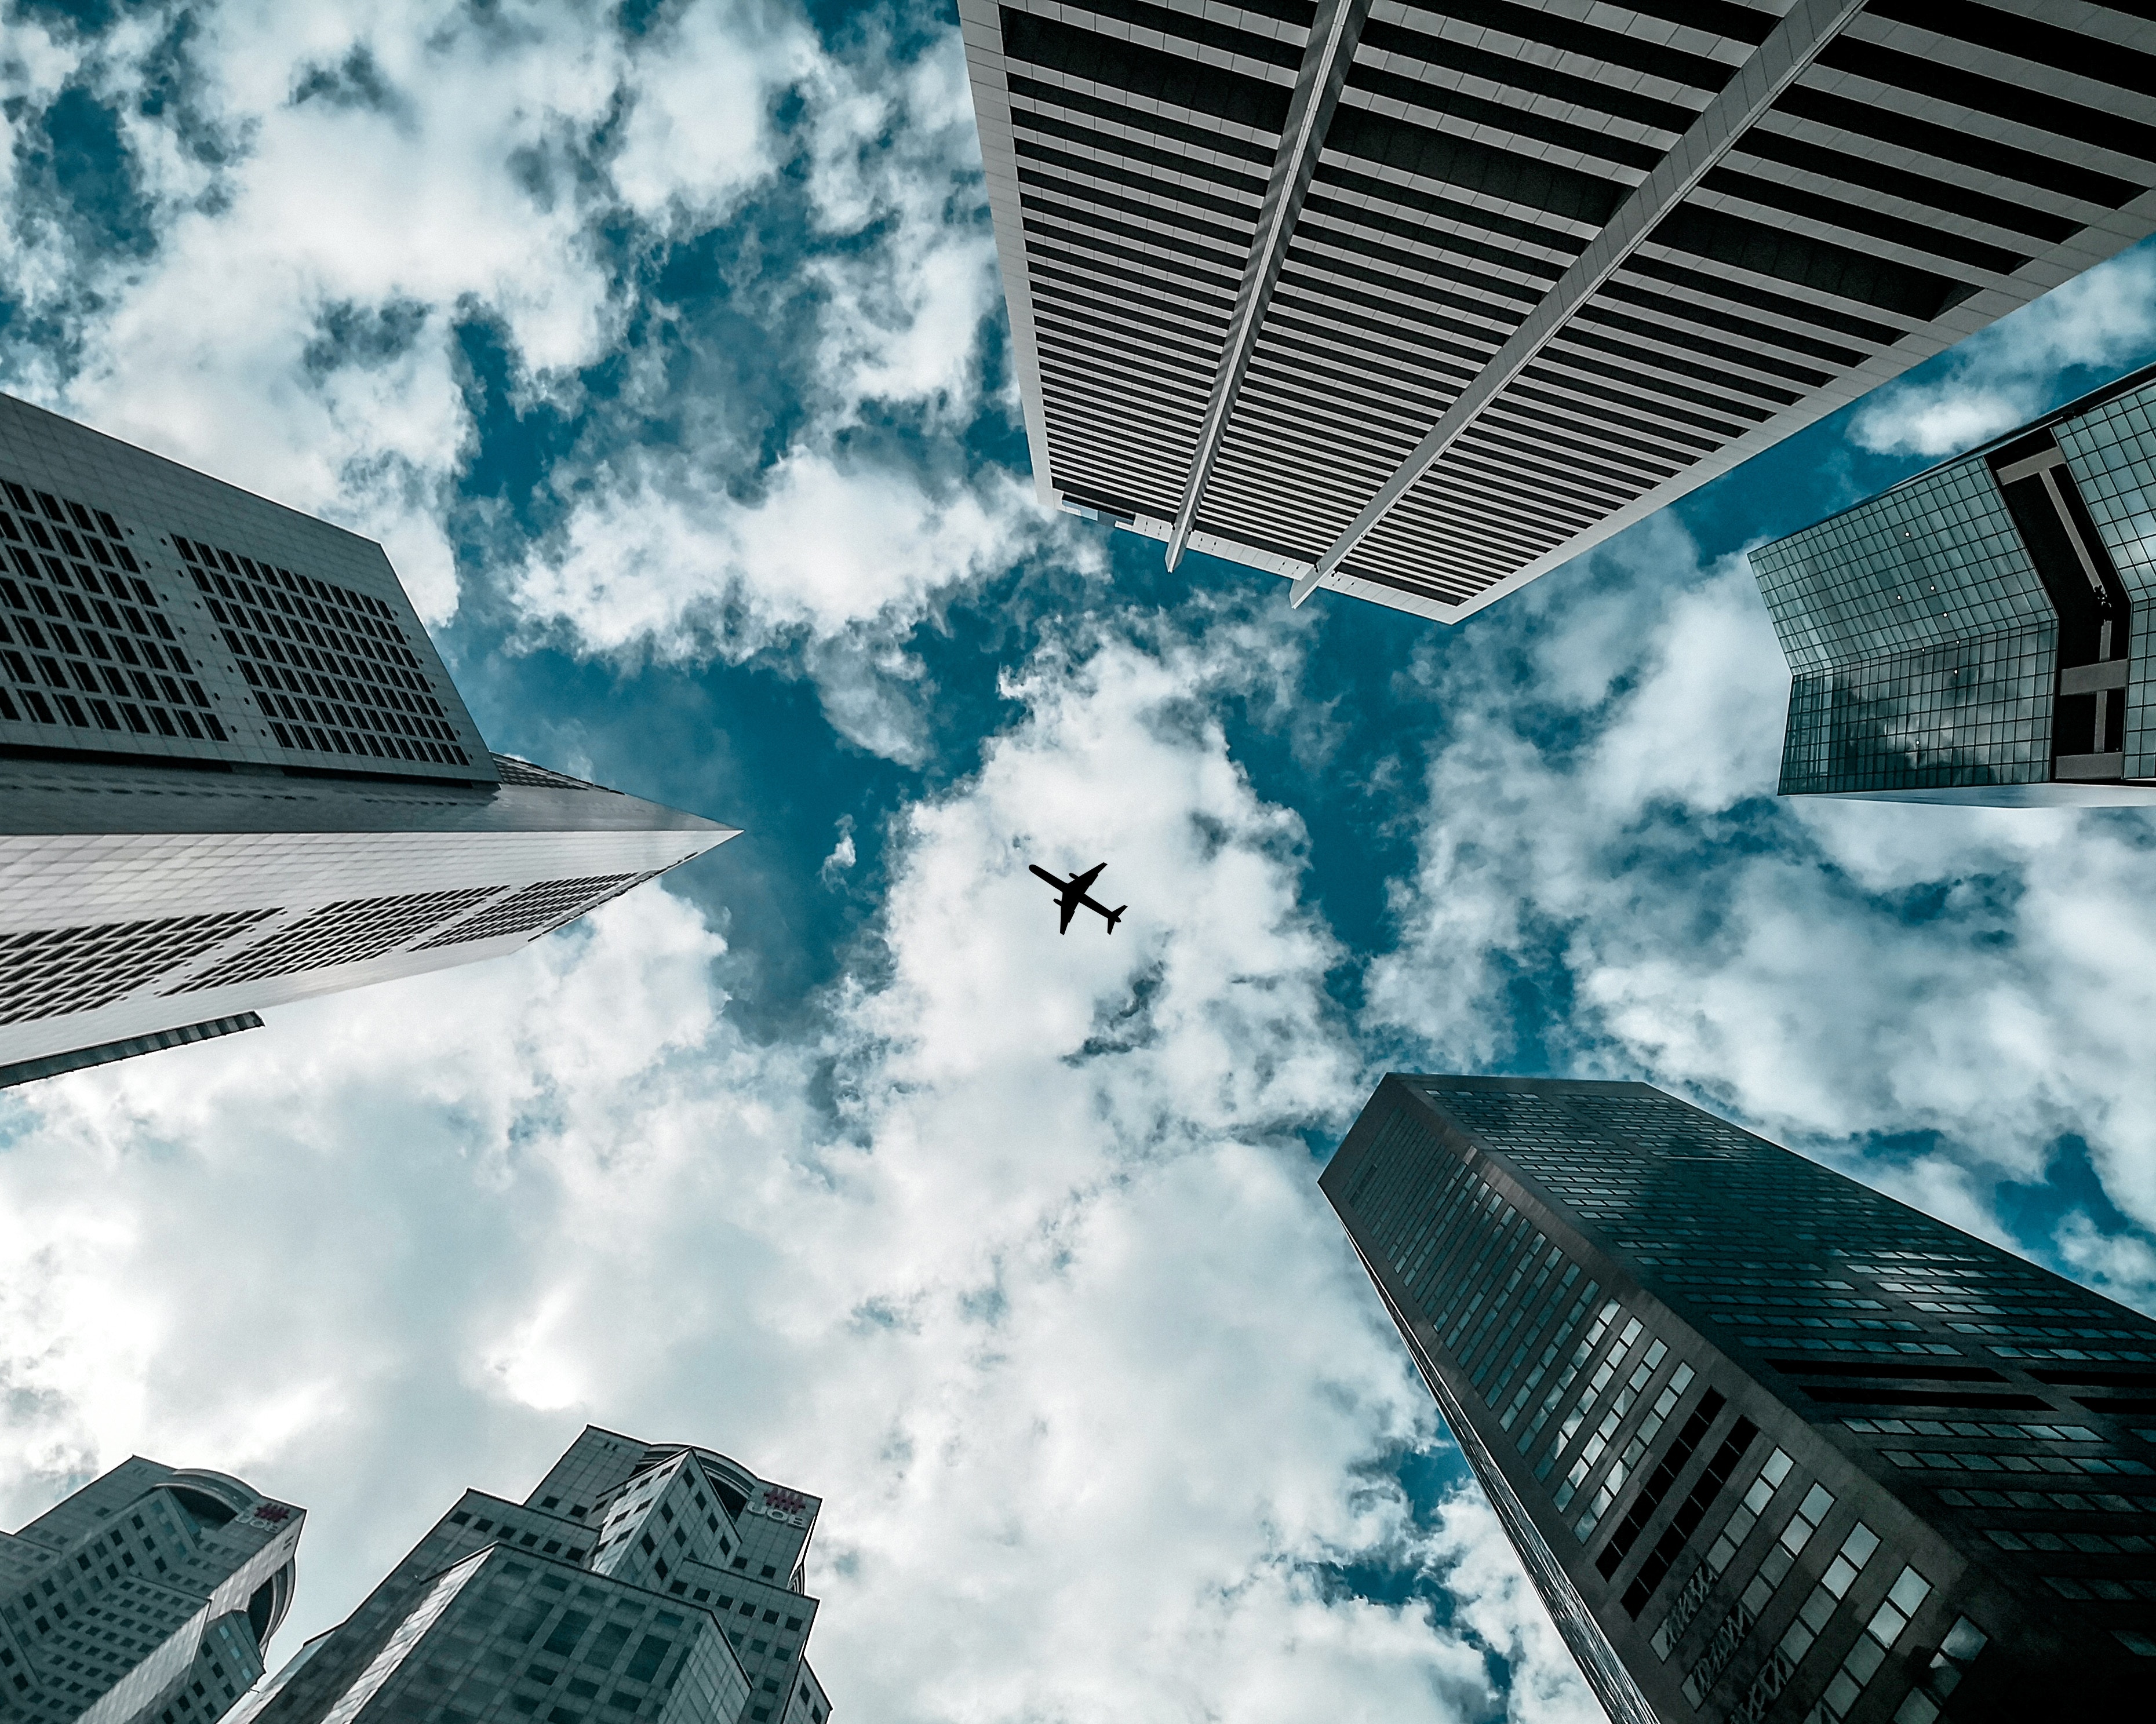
(661,347)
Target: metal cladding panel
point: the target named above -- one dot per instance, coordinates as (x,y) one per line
(1538,270)
(135,901)
(1787,1443)
(147,609)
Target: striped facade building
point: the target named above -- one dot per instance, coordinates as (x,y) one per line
(1418,301)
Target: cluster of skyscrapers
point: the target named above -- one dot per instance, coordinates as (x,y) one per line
(637,1583)
(1416,299)
(1409,302)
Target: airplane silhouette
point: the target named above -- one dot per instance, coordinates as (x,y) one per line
(1074,894)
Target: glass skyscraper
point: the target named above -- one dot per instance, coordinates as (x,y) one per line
(1771,1445)
(637,1583)
(146,1598)
(1980,632)
(233,771)
(1415,299)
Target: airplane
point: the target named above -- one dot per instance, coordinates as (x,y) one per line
(1074,894)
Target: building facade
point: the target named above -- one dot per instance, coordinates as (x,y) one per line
(233,771)
(1980,633)
(1771,1445)
(637,1584)
(1417,302)
(147,1596)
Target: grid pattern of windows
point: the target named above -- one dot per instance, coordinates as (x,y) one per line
(514,770)
(331,668)
(1989,1398)
(350,931)
(82,638)
(2111,450)
(1256,253)
(536,907)
(47,972)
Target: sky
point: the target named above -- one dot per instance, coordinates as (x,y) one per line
(661,345)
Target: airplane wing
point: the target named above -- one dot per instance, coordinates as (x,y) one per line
(1069,909)
(1082,883)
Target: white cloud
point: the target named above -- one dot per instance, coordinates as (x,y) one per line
(1825,969)
(1052,1313)
(2006,374)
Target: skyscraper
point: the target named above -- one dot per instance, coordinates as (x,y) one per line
(146,1598)
(1771,1445)
(234,772)
(1980,632)
(1417,302)
(638,1582)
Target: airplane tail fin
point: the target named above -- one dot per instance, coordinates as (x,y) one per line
(1116,916)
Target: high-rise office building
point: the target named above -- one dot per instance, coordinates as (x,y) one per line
(233,772)
(1771,1445)
(1981,633)
(1417,302)
(146,1598)
(638,1584)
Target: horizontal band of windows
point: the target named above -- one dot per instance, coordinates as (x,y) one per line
(1065,379)
(1216,308)
(1146,439)
(1433,574)
(1316,277)
(1133,301)
(1383,197)
(1340,396)
(1203,246)
(1079,464)
(1107,147)
(1265,450)
(1111,352)
(2020,36)
(1085,192)
(1656,374)
(1257,531)
(1923,191)
(1633,50)
(2028,110)
(1464,486)
(1322,417)
(1327,247)
(1450,592)
(1520,181)
(1569,379)
(1463,552)
(1421,396)
(1171,194)
(1056,306)
(1928,239)
(1495,505)
(1737,241)
(1175,79)
(1813,98)
(1208,271)
(1076,354)
(1040,95)
(1682,310)
(1645,434)
(1166,438)
(1516,122)
(1106,499)
(1514,458)
(1327,221)
(1680,273)
(1619,458)
(1751,358)
(1191,26)
(1376,345)
(1394,316)
(1598,94)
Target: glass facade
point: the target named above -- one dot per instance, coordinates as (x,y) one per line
(637,1584)
(1771,1445)
(1982,627)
